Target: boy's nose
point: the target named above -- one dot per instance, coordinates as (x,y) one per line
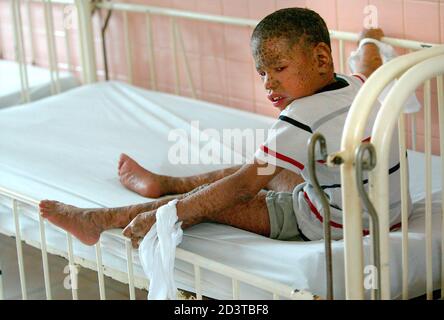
(269,83)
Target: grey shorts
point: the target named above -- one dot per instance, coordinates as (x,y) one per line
(283,222)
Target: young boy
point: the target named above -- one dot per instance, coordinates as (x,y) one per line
(291,49)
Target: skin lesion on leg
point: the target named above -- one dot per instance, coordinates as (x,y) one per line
(250,216)
(87,224)
(151,185)
(136,178)
(79,222)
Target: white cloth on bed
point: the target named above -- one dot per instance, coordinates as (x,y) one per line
(157,253)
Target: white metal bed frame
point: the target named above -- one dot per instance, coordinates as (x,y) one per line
(351,140)
(411,71)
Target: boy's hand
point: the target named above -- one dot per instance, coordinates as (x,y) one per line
(370,58)
(371,33)
(139,227)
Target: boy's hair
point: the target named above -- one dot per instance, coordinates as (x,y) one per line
(293,24)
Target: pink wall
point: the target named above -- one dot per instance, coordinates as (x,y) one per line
(223,70)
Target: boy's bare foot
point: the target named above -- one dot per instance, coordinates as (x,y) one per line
(81,223)
(137,179)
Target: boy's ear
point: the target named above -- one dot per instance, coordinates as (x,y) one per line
(323,58)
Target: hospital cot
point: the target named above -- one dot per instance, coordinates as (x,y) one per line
(207,261)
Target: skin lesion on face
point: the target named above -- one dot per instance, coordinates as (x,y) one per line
(291,70)
(271,52)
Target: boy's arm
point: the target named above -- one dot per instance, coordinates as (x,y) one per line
(240,187)
(370,58)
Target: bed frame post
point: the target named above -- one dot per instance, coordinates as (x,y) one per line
(52,50)
(30,30)
(20,50)
(353,256)
(440,88)
(87,52)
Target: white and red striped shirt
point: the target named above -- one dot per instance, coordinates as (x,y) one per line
(286,147)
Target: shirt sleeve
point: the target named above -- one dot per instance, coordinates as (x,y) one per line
(286,145)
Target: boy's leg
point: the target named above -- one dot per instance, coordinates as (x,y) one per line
(88,224)
(269,214)
(251,216)
(151,185)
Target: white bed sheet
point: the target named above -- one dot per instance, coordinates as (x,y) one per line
(66,147)
(39,83)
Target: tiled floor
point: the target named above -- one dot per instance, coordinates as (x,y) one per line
(87,279)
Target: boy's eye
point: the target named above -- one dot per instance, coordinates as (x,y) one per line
(280,69)
(261,73)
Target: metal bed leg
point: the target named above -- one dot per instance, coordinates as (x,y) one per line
(129,255)
(362,165)
(197,282)
(18,242)
(100,271)
(72,268)
(45,259)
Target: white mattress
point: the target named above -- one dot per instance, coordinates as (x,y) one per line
(66,147)
(39,83)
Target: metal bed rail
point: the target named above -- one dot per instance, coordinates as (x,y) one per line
(50,33)
(384,126)
(351,140)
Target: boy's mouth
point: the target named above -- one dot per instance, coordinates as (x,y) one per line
(277,100)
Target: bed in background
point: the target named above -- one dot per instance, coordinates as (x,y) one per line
(39,83)
(22,81)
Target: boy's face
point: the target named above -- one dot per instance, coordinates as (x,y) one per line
(288,73)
